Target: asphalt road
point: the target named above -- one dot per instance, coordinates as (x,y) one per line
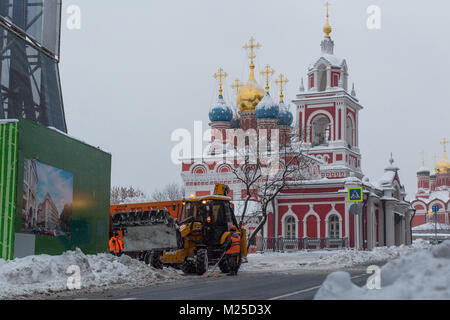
(244,286)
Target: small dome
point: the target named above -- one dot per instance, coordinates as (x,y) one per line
(285,117)
(220,112)
(267,109)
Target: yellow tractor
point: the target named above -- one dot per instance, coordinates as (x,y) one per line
(202,234)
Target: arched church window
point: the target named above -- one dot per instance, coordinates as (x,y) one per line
(350,133)
(289,227)
(320,131)
(322,77)
(333,226)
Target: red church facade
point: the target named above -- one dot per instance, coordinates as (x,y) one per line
(318,210)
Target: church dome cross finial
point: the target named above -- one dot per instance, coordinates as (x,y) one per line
(327,28)
(281,81)
(237,85)
(444,165)
(444,142)
(268,71)
(252,47)
(221,75)
(422,153)
(327,43)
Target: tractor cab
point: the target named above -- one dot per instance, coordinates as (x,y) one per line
(211,216)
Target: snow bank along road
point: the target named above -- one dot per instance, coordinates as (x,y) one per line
(267,276)
(245,286)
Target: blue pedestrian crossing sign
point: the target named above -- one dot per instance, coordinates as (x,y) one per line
(355,194)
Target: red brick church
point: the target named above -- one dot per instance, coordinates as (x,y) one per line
(325,114)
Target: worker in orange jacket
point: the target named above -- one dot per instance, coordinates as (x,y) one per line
(233,252)
(116,245)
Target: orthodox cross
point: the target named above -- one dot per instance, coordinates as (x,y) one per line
(252,46)
(422,153)
(281,81)
(236,85)
(220,75)
(444,142)
(268,72)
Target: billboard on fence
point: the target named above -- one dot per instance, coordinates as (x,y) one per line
(47,200)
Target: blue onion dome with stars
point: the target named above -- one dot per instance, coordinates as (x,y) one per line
(220,112)
(285,117)
(266,108)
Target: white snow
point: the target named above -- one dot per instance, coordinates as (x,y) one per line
(430,226)
(137,200)
(44,274)
(325,259)
(424,275)
(443,195)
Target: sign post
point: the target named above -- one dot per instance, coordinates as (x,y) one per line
(435,209)
(355,196)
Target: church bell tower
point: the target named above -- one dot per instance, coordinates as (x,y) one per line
(328,114)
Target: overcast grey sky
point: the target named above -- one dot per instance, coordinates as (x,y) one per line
(139,69)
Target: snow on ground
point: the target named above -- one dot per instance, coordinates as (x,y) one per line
(431,226)
(42,274)
(325,259)
(421,275)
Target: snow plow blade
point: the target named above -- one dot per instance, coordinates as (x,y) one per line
(146,230)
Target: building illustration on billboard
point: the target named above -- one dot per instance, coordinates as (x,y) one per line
(47,200)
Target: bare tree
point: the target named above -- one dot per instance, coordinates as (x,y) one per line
(120,194)
(170,192)
(265,175)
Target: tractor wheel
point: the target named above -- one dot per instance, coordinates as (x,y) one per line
(188,267)
(154,259)
(201,261)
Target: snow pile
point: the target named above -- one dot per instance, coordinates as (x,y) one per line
(423,275)
(50,274)
(351,257)
(324,259)
(138,199)
(431,226)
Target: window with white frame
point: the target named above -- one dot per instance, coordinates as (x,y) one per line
(289,227)
(333,226)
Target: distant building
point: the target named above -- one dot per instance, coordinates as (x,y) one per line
(433,189)
(48,216)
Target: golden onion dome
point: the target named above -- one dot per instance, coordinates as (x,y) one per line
(250,94)
(327,30)
(442,167)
